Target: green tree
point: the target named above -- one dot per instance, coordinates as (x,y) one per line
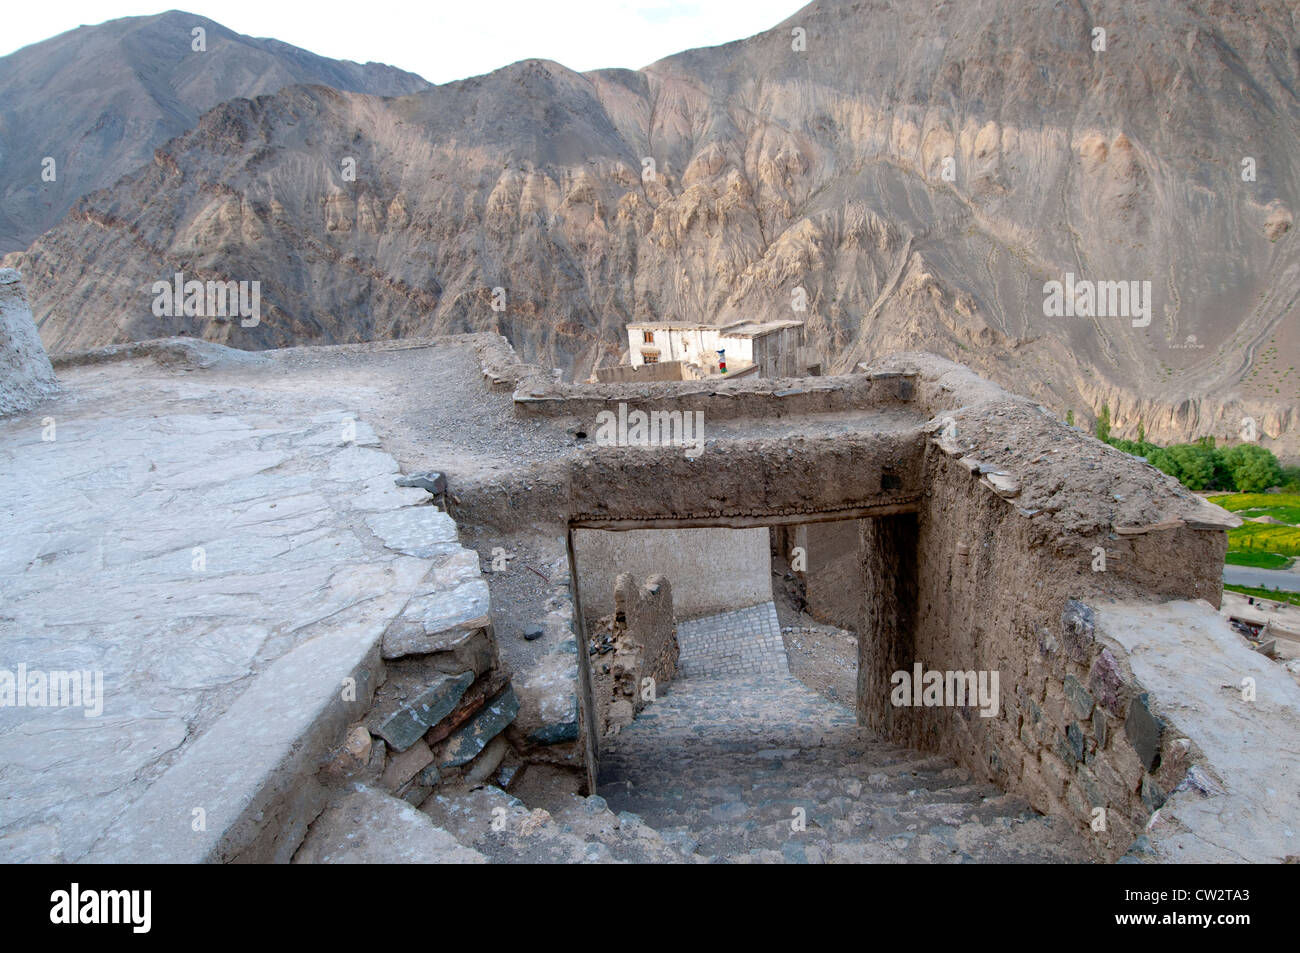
(1251,468)
(1103,423)
(1142,432)
(1192,464)
(1069,417)
(1135,448)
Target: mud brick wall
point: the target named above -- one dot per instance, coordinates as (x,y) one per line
(834,570)
(641,643)
(711,570)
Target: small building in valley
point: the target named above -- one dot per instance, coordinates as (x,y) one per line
(668,350)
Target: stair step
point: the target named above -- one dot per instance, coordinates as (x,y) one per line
(759,769)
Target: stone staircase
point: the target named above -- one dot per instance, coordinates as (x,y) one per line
(722,768)
(728,766)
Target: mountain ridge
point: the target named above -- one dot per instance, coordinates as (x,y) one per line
(132,92)
(775,169)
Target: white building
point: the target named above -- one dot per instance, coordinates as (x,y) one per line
(767,348)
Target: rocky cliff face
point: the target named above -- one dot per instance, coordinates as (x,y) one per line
(99,99)
(915,171)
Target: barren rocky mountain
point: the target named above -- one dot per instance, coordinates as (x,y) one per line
(99,99)
(919,169)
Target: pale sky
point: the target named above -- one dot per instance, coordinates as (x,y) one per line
(443,40)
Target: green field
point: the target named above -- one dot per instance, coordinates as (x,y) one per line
(1239,557)
(1270,503)
(1263,545)
(1272,595)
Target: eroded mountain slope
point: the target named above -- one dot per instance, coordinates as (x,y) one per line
(775,169)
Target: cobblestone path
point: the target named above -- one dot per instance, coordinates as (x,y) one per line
(744,642)
(741,762)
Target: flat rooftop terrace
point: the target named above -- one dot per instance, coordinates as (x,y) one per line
(176,531)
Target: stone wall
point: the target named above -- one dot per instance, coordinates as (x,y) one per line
(711,570)
(444,702)
(998,573)
(26,377)
(635,642)
(446,709)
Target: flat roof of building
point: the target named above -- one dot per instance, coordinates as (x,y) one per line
(668,326)
(738,329)
(754,329)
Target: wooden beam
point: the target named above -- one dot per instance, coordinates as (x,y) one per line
(748,522)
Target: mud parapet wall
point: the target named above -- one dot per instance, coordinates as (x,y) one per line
(26,377)
(703,453)
(741,483)
(637,642)
(722,399)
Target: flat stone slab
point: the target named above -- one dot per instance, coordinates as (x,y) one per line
(464,746)
(367,826)
(431,480)
(416,530)
(1003,484)
(438,619)
(413,718)
(549,712)
(1241,804)
(245,789)
(450,609)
